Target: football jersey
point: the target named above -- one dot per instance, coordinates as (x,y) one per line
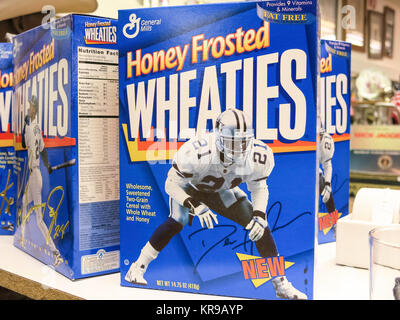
(199,161)
(327,148)
(34,143)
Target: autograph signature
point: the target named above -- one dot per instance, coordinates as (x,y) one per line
(228,240)
(9,201)
(59,230)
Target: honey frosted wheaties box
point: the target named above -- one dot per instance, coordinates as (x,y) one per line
(66,119)
(334,139)
(8,183)
(218,163)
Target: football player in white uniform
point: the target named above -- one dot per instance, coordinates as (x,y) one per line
(327,149)
(32,140)
(204,181)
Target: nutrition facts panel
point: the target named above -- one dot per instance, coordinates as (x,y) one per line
(98,125)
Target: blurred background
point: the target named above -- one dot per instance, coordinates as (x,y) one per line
(373,28)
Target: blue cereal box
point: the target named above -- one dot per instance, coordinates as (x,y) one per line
(66,120)
(334,142)
(8,184)
(218,126)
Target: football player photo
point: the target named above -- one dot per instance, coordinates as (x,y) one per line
(327,150)
(32,140)
(203,183)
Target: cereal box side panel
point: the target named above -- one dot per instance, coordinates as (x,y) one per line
(95,105)
(45,141)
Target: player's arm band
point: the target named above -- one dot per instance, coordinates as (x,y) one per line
(260,214)
(23,139)
(191,203)
(180,173)
(23,134)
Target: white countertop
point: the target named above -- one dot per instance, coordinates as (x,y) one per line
(332,282)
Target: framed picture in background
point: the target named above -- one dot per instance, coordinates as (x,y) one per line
(375,35)
(388,17)
(329,15)
(354,30)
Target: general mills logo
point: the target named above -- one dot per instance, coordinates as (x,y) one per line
(131,29)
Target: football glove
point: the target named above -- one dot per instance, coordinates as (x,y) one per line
(326,193)
(205,215)
(256,227)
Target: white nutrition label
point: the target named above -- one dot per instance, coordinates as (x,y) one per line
(98,125)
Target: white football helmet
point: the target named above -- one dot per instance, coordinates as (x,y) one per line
(235,135)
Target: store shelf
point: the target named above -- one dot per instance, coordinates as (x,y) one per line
(26,275)
(334,282)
